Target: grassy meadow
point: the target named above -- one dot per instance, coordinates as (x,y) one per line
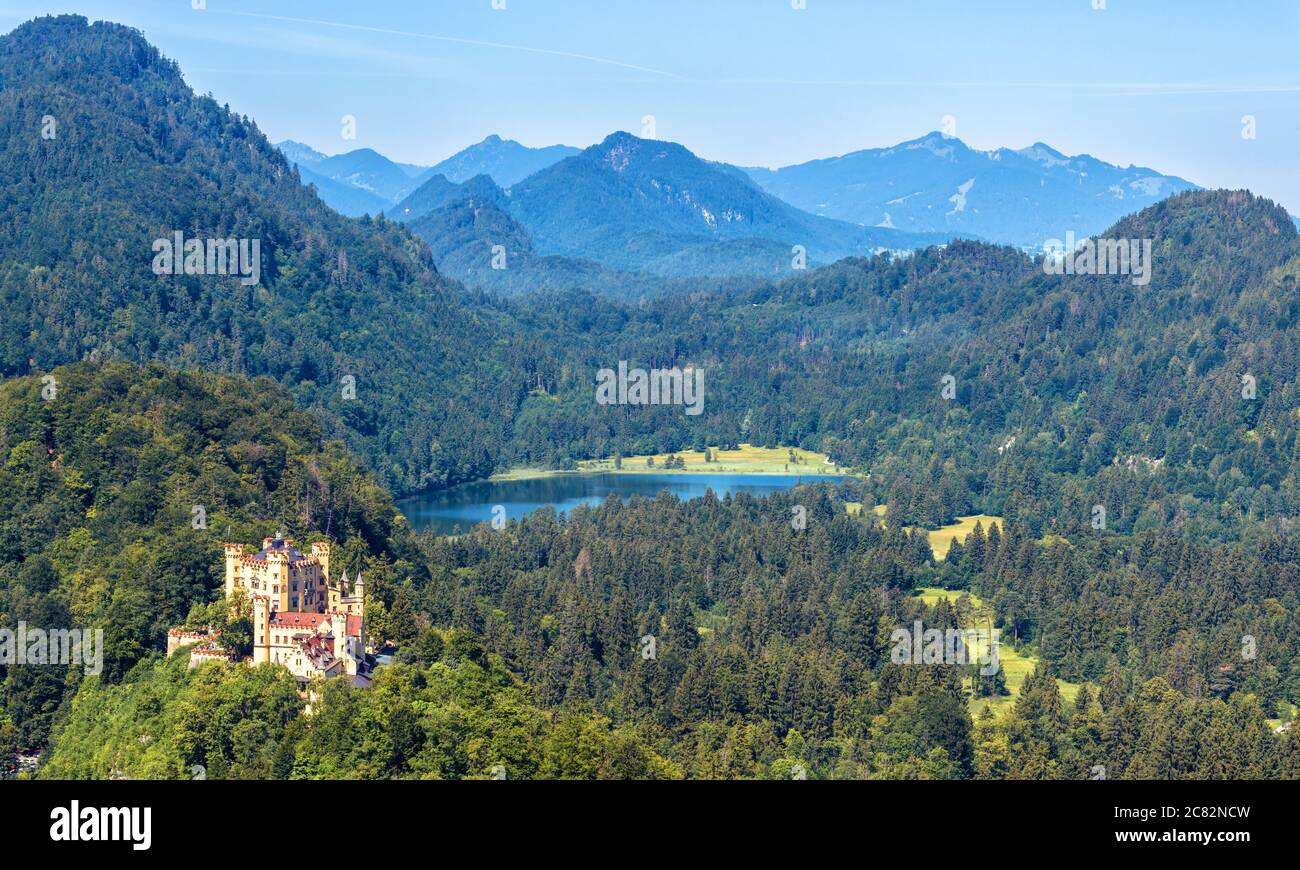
(748,459)
(1016,664)
(941,538)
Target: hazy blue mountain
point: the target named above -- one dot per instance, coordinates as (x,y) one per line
(413,170)
(937,184)
(387,182)
(368,170)
(365,181)
(504,160)
(437,191)
(299,153)
(462,234)
(639,204)
(343,198)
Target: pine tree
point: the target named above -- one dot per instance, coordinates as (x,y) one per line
(1112,686)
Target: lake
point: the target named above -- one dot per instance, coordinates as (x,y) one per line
(472,503)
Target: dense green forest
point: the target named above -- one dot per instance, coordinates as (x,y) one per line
(131,399)
(526,648)
(98,497)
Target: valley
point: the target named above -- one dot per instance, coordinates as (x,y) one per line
(401,371)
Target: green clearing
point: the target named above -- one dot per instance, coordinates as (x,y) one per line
(1017,665)
(747,459)
(941,538)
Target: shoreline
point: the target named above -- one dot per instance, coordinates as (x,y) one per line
(543,473)
(749,460)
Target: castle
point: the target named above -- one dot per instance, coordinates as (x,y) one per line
(301,618)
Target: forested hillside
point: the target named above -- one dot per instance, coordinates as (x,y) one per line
(712,639)
(136,156)
(774,650)
(117,491)
(1068,391)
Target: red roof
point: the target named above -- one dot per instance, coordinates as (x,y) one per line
(354,625)
(296,619)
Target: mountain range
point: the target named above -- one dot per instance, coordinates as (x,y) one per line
(505,161)
(381,182)
(364,170)
(668,212)
(629,206)
(938,184)
(643,206)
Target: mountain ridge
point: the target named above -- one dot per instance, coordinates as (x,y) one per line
(634,203)
(505,161)
(1021,197)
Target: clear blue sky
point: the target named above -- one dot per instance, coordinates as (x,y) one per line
(1161,83)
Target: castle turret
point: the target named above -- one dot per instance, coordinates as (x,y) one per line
(339,626)
(348,597)
(261,629)
(233,552)
(321,550)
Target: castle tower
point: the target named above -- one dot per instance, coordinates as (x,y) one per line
(348,596)
(261,629)
(359,593)
(233,552)
(321,550)
(339,626)
(335,593)
(277,573)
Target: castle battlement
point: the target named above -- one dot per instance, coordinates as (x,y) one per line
(293,580)
(302,619)
(204,641)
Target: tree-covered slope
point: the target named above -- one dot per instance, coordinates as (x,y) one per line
(1090,375)
(117,491)
(754,648)
(136,157)
(454,713)
(1082,371)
